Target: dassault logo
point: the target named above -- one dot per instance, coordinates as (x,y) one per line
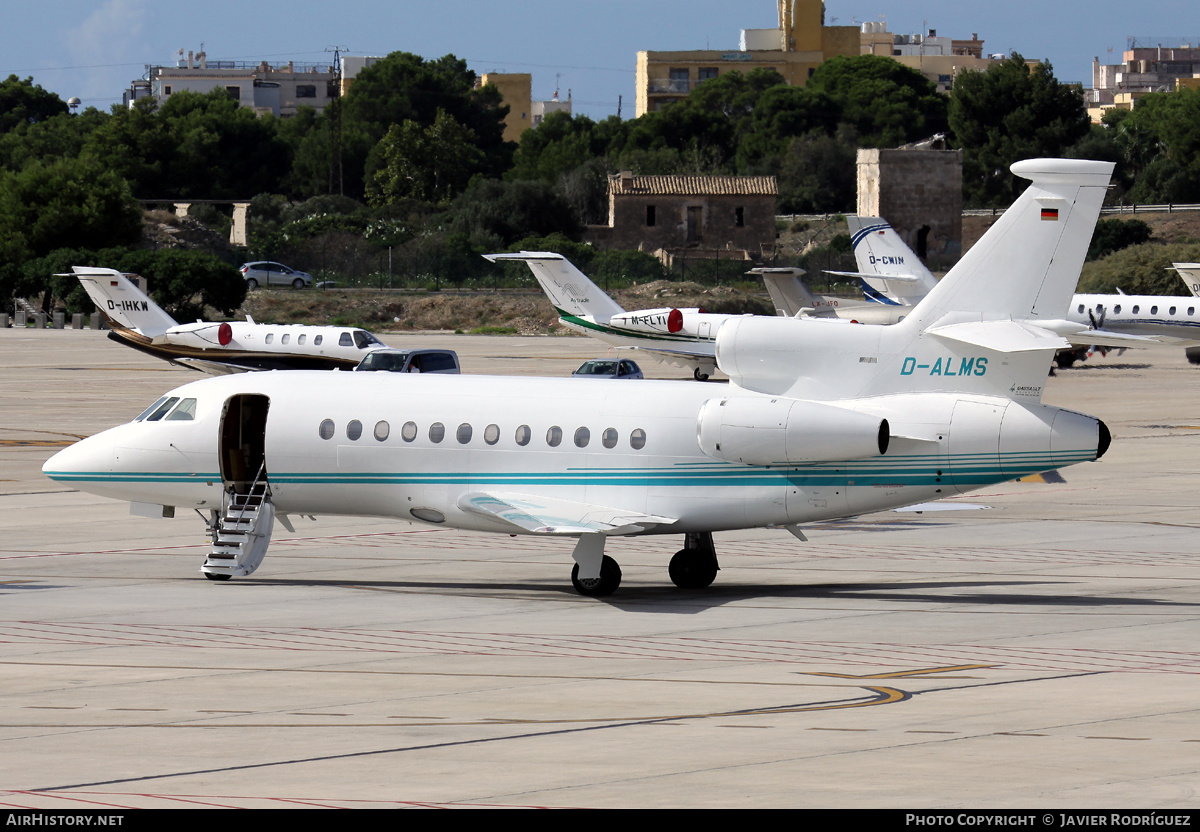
(966,367)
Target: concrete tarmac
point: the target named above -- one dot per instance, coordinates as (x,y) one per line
(1042,654)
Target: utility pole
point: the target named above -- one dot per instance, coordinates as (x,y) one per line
(335,126)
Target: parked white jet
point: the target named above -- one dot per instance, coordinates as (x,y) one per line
(218,348)
(821,420)
(683,337)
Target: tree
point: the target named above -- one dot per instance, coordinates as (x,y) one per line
(430,163)
(496,213)
(1162,138)
(1009,112)
(887,103)
(23,102)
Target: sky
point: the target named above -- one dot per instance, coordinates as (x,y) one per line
(93,49)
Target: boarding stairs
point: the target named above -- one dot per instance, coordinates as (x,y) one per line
(241,532)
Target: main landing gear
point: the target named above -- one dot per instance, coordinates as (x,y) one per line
(597,575)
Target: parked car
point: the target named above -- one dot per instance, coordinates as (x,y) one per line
(268,273)
(409,361)
(609,368)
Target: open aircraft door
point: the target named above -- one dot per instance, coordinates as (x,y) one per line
(243,441)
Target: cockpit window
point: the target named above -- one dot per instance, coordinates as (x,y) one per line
(184,412)
(364,339)
(162,409)
(151,409)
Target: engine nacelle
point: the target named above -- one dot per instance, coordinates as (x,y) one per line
(781,431)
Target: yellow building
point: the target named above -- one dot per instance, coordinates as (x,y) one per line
(794,50)
(516,88)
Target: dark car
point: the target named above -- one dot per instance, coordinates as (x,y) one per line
(409,361)
(269,273)
(609,368)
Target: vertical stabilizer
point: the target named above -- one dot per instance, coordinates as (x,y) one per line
(569,289)
(788,292)
(1190,272)
(119,299)
(890,271)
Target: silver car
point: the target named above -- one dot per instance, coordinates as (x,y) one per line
(268,273)
(609,368)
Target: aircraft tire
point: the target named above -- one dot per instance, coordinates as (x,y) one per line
(1193,355)
(297,283)
(606,584)
(698,375)
(692,570)
(251,284)
(1064,360)
(217,576)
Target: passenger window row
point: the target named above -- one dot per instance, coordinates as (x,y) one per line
(523,435)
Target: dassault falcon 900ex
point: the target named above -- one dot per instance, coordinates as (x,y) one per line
(821,420)
(219,348)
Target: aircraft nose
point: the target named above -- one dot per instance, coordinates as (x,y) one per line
(84,460)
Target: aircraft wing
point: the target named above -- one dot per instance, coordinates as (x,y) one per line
(213,368)
(543,515)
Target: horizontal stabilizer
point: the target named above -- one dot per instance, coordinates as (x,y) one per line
(1002,336)
(901,278)
(543,515)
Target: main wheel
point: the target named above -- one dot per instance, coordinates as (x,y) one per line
(1193,355)
(297,283)
(251,284)
(1065,359)
(690,569)
(217,576)
(606,584)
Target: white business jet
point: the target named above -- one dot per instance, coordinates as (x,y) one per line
(683,337)
(218,348)
(821,420)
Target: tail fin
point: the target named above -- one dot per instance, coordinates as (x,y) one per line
(1190,272)
(891,273)
(1027,265)
(569,289)
(787,290)
(120,300)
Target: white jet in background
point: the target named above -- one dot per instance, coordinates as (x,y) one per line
(217,348)
(821,420)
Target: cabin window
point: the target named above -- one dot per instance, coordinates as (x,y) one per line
(1136,309)
(285,339)
(637,439)
(524,434)
(1081,309)
(270,337)
(326,430)
(609,437)
(463,435)
(491,434)
(437,432)
(382,429)
(1154,309)
(1117,309)
(354,430)
(162,409)
(344,341)
(582,437)
(1191,311)
(317,340)
(554,436)
(300,340)
(1171,311)
(186,411)
(409,432)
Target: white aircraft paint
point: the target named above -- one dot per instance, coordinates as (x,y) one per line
(821,420)
(218,348)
